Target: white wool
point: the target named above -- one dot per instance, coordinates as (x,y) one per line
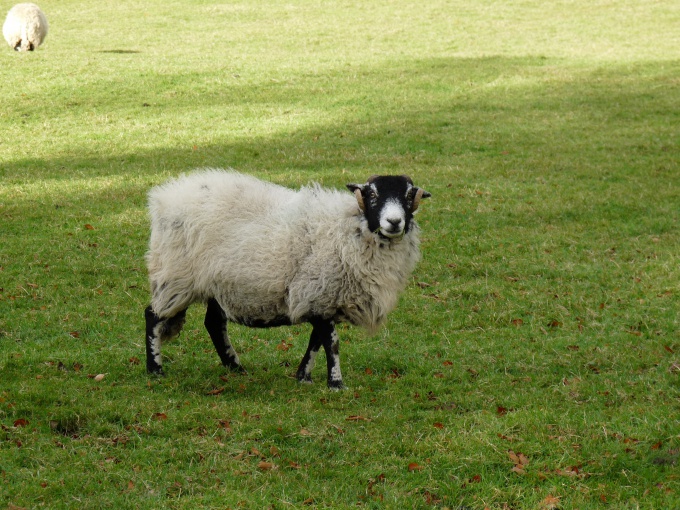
(266,252)
(25,27)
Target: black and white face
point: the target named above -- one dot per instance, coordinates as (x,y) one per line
(388,203)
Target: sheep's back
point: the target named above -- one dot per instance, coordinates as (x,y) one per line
(224,235)
(25,22)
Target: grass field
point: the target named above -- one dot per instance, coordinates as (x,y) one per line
(534,361)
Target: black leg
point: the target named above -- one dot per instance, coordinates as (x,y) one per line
(216,324)
(323,333)
(157,331)
(304,371)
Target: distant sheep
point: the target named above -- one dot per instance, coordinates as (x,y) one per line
(263,255)
(25,27)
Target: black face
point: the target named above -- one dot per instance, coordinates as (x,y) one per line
(388,203)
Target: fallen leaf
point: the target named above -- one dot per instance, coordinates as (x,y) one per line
(265,466)
(550,502)
(283,346)
(501,411)
(414,466)
(447,363)
(21,422)
(99,377)
(517,322)
(159,416)
(75,334)
(357,418)
(439,425)
(134,360)
(368,371)
(216,391)
(88,226)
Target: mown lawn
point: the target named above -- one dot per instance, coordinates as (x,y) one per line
(534,361)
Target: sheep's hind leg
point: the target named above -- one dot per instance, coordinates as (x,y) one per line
(216,324)
(323,333)
(157,331)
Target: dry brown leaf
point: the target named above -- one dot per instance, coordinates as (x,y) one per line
(357,418)
(550,502)
(414,466)
(99,377)
(265,466)
(513,457)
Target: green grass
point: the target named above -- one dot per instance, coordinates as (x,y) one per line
(542,320)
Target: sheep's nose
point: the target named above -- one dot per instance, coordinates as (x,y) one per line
(395,222)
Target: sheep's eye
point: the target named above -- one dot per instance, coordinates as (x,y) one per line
(372,195)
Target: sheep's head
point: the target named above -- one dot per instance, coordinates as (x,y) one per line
(388,203)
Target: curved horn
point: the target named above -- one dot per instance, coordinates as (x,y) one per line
(360,199)
(420,194)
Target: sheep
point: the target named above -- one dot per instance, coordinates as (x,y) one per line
(25,27)
(263,255)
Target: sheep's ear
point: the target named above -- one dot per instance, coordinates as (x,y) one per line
(420,194)
(358,189)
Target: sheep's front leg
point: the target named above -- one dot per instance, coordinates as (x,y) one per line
(157,331)
(304,371)
(216,324)
(323,333)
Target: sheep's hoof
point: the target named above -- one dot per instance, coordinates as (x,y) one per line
(304,379)
(336,385)
(238,369)
(156,371)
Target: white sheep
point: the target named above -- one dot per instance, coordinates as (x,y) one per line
(25,27)
(263,255)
